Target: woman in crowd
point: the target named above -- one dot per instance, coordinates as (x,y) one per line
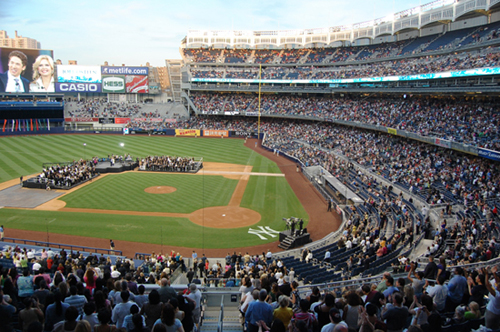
(69,322)
(473,312)
(418,283)
(90,278)
(284,312)
(83,326)
(55,312)
(323,309)
(295,296)
(104,317)
(304,316)
(351,310)
(31,313)
(101,302)
(187,306)
(152,309)
(168,318)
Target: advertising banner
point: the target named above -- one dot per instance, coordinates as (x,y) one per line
(242,134)
(136,84)
(231,112)
(122,120)
(106,120)
(109,70)
(252,113)
(490,154)
(215,133)
(148,119)
(443,143)
(187,132)
(392,131)
(430,76)
(39,63)
(113,84)
(81,119)
(78,87)
(78,74)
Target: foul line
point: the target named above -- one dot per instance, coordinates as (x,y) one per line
(244,173)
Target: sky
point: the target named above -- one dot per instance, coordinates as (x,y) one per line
(136,32)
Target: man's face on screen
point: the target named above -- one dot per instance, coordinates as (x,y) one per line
(16,66)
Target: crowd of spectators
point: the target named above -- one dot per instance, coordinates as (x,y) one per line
(406,66)
(347,53)
(471,121)
(86,108)
(149,124)
(68,175)
(56,289)
(202,55)
(167,164)
(97,107)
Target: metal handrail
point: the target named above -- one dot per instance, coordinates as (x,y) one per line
(65,246)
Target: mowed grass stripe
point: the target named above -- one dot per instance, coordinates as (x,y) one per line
(35,154)
(16,161)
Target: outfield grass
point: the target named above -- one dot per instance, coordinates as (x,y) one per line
(25,155)
(271,196)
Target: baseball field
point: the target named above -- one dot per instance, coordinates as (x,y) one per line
(238,193)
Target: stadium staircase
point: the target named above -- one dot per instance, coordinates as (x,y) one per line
(190,102)
(220,316)
(304,58)
(287,243)
(329,58)
(251,58)
(278,58)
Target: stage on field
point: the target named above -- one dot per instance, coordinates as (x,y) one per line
(19,197)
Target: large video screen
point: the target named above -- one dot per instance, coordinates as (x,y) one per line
(34,71)
(26,70)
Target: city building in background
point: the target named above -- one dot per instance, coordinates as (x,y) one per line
(18,41)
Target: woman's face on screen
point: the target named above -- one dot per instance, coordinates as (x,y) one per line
(44,69)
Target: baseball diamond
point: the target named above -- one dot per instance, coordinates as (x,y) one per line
(236,189)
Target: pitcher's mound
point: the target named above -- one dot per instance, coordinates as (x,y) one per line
(160,190)
(225,217)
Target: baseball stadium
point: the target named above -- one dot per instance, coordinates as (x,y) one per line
(343,178)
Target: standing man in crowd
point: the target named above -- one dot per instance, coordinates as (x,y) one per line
(11,81)
(195,295)
(257,311)
(1,233)
(457,287)
(395,315)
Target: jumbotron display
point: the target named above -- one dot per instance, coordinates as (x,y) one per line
(34,71)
